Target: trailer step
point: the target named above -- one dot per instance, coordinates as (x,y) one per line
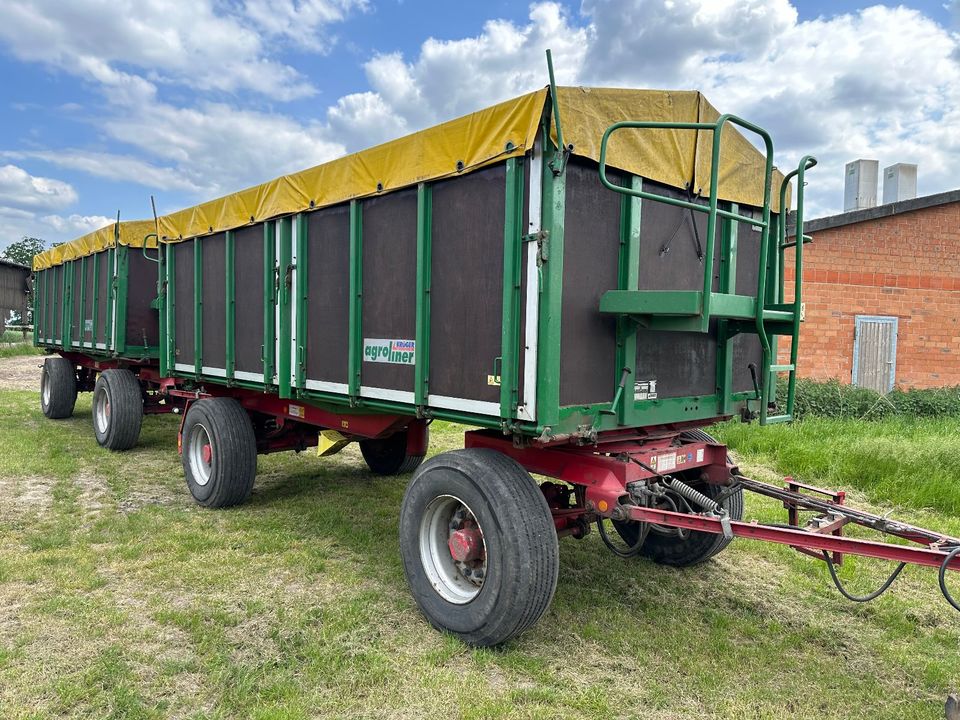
(774,419)
(783,368)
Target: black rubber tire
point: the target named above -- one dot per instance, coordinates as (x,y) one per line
(523,555)
(233,465)
(697,547)
(121,389)
(59,376)
(388,456)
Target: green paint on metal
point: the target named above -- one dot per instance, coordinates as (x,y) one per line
(82,307)
(122,287)
(286,296)
(302,297)
(197,306)
(356,299)
(629,280)
(169,350)
(95,305)
(728,282)
(230,305)
(111,297)
(652,302)
(551,292)
(269,301)
(512,264)
(421,389)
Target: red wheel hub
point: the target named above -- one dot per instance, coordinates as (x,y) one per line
(465,544)
(207,453)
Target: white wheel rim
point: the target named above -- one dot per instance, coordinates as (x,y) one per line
(45,387)
(200,454)
(101,410)
(456,582)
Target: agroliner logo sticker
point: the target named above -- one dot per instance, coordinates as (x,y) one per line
(398,352)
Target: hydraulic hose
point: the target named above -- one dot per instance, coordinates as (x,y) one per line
(943,578)
(863,598)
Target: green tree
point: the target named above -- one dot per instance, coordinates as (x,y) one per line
(22,251)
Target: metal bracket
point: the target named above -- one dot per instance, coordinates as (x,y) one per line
(542,239)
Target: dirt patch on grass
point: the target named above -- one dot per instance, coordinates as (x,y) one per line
(25,494)
(20,373)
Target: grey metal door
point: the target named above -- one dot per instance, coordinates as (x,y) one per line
(875,352)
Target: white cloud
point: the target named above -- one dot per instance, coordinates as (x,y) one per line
(76,225)
(301,21)
(203,44)
(19,190)
(881,83)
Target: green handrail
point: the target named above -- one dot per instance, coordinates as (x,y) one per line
(806,162)
(712,210)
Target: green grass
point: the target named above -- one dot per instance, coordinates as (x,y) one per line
(119,598)
(19,349)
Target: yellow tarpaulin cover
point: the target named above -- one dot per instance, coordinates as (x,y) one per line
(679,158)
(130,233)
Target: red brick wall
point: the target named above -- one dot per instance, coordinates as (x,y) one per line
(907,266)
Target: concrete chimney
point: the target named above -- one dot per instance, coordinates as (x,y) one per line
(899,182)
(860,185)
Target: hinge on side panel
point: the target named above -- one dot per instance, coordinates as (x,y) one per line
(542,240)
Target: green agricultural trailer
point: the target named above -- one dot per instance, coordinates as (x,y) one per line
(586,276)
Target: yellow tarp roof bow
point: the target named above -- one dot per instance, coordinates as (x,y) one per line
(509,129)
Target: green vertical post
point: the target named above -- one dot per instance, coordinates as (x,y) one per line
(269,300)
(68,304)
(120,330)
(286,297)
(111,300)
(82,322)
(96,298)
(169,349)
(775,284)
(512,263)
(355,355)
(629,280)
(301,298)
(230,303)
(551,296)
(421,383)
(197,306)
(37,306)
(728,283)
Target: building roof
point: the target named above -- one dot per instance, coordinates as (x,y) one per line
(880,211)
(11,263)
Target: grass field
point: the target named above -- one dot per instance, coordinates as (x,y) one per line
(119,598)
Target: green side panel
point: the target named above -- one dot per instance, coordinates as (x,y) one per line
(197,306)
(111,296)
(512,264)
(269,300)
(302,296)
(629,272)
(551,295)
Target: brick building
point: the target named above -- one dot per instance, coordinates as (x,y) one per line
(882,295)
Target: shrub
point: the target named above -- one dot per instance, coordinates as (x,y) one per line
(833,399)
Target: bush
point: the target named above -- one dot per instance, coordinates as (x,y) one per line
(833,399)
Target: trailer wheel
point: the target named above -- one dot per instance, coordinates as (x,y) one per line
(117,409)
(479,546)
(58,388)
(219,452)
(695,547)
(388,456)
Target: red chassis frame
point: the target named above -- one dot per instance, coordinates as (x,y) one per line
(600,473)
(603,472)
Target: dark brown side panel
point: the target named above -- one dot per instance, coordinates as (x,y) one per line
(591,245)
(183,302)
(746,350)
(748,255)
(214,301)
(389,283)
(466,297)
(248,267)
(671,240)
(328,294)
(681,363)
(103,298)
(88,319)
(143,321)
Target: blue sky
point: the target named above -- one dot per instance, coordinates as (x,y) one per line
(105,103)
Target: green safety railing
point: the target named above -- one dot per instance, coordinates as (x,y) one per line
(805,164)
(760,312)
